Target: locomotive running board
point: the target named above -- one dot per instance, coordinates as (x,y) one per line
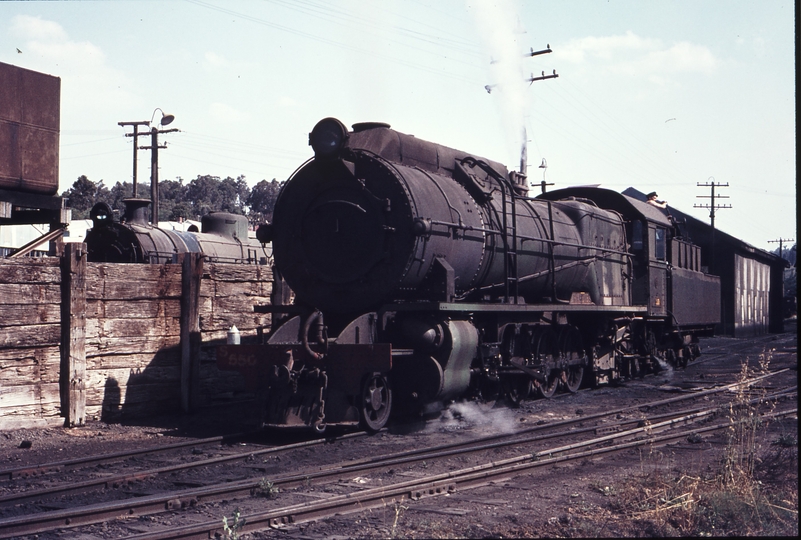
(511,308)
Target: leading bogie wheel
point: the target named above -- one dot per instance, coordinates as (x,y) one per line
(376,402)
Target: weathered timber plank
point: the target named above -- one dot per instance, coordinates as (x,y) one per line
(35,335)
(28,370)
(141,409)
(31,271)
(26,418)
(134,272)
(73,334)
(239,303)
(22,293)
(24,374)
(135,362)
(215,335)
(100,346)
(239,272)
(227,288)
(120,328)
(123,377)
(132,290)
(133,281)
(42,355)
(137,393)
(191,276)
(147,308)
(21,315)
(29,394)
(245,322)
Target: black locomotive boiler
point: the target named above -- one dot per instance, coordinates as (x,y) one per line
(423,274)
(223,237)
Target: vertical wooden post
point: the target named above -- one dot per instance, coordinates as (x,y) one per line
(72,376)
(190,329)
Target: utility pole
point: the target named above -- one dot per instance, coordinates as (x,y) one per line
(154,171)
(524,152)
(135,134)
(154,159)
(712,206)
(780,241)
(524,161)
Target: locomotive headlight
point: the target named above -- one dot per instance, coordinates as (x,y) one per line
(328,137)
(101,215)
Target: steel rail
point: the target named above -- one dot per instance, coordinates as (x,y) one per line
(434,485)
(122,479)
(86,515)
(68,464)
(754,343)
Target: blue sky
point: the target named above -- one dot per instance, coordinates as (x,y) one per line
(659,95)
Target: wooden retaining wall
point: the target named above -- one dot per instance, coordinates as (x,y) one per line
(30,335)
(86,341)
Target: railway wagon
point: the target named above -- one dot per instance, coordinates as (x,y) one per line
(424,274)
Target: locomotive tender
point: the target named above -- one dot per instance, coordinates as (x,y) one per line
(423,274)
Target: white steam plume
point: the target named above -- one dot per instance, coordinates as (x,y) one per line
(501,31)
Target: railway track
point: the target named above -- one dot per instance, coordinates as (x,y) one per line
(187,498)
(30,471)
(118,480)
(435,485)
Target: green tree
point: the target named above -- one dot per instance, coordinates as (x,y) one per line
(121,191)
(210,194)
(181,210)
(201,194)
(172,195)
(262,200)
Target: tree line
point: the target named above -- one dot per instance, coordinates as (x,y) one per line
(179,200)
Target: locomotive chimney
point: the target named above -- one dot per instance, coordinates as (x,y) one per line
(520,179)
(136,210)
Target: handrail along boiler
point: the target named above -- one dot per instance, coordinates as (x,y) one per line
(423,274)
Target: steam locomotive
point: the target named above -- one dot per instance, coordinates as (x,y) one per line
(423,274)
(223,237)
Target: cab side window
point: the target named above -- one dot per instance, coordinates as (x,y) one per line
(636,236)
(660,249)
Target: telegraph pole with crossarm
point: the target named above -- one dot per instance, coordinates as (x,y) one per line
(781,241)
(712,206)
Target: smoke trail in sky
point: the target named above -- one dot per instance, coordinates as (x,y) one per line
(501,31)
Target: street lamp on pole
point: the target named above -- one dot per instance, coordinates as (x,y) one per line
(154,131)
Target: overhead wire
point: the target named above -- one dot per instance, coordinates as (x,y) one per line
(595,110)
(327,11)
(353,48)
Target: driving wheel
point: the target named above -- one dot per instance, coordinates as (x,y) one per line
(376,402)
